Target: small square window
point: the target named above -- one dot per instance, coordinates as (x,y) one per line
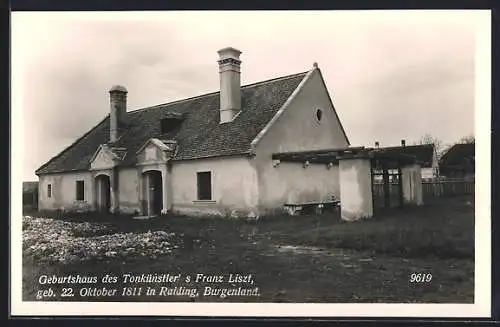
(169,124)
(49,190)
(80,190)
(204,185)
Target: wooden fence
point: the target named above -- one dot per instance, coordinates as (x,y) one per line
(394,195)
(30,200)
(431,188)
(449,187)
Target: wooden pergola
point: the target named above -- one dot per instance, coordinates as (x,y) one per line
(381,158)
(382,162)
(318,156)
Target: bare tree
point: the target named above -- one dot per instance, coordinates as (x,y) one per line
(429,139)
(469,139)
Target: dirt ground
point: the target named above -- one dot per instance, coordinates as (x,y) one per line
(412,255)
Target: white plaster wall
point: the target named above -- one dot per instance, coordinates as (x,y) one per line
(355,188)
(412,184)
(297,129)
(428,172)
(64,191)
(291,182)
(234,187)
(128,183)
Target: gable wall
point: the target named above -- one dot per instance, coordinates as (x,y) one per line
(150,153)
(297,129)
(102,161)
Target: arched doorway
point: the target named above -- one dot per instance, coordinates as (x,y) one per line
(153,193)
(103,193)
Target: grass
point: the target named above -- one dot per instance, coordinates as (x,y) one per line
(419,232)
(313,258)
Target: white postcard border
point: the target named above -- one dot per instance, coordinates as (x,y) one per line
(481,307)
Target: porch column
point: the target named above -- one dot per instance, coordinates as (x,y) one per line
(170,191)
(355,179)
(411,183)
(149,201)
(97,186)
(93,191)
(165,180)
(112,197)
(141,192)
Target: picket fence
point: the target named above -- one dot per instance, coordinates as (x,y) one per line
(433,187)
(448,187)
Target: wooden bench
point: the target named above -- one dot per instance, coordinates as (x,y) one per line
(294,209)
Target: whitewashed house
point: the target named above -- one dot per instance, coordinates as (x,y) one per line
(209,154)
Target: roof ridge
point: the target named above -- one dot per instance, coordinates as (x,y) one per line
(407,146)
(95,136)
(276,79)
(215,92)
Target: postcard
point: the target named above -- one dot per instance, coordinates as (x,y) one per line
(260,163)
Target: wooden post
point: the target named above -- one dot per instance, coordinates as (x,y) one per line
(372,162)
(387,195)
(400,182)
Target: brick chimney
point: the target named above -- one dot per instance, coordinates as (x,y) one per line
(403,143)
(230,83)
(118,111)
(377,144)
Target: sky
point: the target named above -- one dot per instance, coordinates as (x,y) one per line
(391,75)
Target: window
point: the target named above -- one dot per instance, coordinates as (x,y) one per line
(49,190)
(319,114)
(204,185)
(169,124)
(80,190)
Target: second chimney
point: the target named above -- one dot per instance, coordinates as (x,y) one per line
(230,83)
(118,111)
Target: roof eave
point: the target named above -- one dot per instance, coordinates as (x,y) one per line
(248,153)
(61,171)
(280,112)
(37,171)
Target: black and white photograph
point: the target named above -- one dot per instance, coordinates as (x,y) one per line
(251,163)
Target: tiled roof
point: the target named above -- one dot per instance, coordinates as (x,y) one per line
(424,153)
(459,155)
(199,134)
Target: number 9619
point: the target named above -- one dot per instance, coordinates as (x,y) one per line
(420,278)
